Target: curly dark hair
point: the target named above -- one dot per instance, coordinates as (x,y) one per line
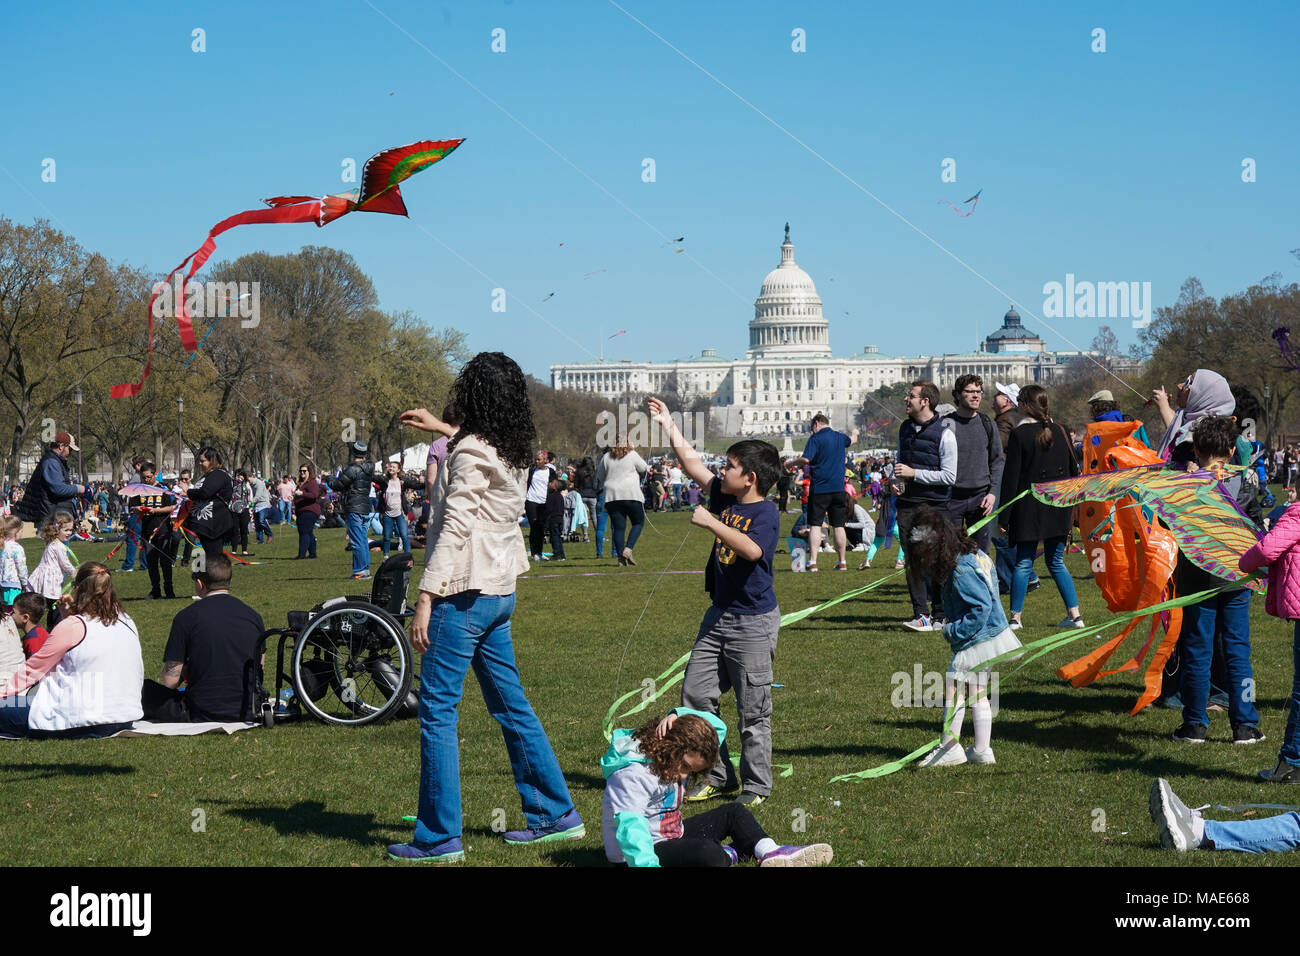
(934,543)
(491,395)
(667,755)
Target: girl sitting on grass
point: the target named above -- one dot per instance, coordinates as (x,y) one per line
(976,630)
(645,782)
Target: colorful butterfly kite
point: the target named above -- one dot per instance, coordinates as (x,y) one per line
(974,200)
(1131,555)
(379,192)
(1290,356)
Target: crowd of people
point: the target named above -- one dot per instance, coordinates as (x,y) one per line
(939,494)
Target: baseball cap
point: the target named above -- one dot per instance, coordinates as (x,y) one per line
(1103,396)
(63,438)
(1011,391)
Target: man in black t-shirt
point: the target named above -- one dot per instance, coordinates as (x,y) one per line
(213,648)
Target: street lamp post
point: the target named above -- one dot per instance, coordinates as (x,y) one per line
(313,436)
(81,468)
(180,419)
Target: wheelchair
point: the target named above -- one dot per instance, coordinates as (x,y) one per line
(348,660)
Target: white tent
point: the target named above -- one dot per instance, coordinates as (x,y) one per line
(413,458)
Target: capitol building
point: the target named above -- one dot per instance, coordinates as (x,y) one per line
(788,373)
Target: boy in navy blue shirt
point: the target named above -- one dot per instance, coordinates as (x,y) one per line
(737,638)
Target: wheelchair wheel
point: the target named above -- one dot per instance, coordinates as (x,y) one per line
(352,664)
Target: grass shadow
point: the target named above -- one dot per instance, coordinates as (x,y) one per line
(43,771)
(311,818)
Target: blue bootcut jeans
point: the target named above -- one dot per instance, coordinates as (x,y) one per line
(360,542)
(1232,608)
(1054,556)
(395,527)
(473,630)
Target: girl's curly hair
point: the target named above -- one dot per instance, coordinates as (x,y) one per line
(935,544)
(491,395)
(667,755)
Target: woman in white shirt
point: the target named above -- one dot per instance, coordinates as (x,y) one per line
(90,670)
(621,469)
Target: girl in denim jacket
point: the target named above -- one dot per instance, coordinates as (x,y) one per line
(976,629)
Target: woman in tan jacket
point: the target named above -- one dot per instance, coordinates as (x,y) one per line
(462,616)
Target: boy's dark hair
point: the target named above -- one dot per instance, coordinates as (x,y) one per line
(964,381)
(758,457)
(31,604)
(216,574)
(1215,435)
(929,391)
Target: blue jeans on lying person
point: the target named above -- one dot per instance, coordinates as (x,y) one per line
(1054,555)
(473,630)
(1270,835)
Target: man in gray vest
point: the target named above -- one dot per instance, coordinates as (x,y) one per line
(924,475)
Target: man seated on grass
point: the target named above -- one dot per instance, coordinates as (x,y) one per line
(212,649)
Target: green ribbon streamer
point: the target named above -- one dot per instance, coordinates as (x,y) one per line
(1033,651)
(669,678)
(662,683)
(795,616)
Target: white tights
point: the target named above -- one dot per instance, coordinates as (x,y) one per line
(954,702)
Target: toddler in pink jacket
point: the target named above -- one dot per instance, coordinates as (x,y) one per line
(1280,552)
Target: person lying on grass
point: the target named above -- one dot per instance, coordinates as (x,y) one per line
(645,784)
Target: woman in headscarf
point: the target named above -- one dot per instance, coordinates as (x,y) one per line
(1204,392)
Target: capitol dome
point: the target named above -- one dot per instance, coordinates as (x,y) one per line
(788,320)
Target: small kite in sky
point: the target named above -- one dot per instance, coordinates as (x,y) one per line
(548,297)
(974,201)
(618,333)
(597,272)
(679,251)
(671,241)
(1282,336)
(379,192)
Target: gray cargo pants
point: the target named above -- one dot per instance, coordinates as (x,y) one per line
(735,652)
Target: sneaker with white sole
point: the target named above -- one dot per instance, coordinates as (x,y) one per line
(979,756)
(1242,734)
(1178,824)
(945,755)
(1190,734)
(748,799)
(899,565)
(816,854)
(1072,622)
(1015,625)
(921,622)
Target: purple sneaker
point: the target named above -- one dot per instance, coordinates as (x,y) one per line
(568,827)
(732,854)
(449,851)
(816,854)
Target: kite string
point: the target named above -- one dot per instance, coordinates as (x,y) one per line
(884,205)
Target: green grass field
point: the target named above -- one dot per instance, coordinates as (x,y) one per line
(1070,785)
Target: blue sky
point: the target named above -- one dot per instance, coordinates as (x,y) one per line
(1115,166)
